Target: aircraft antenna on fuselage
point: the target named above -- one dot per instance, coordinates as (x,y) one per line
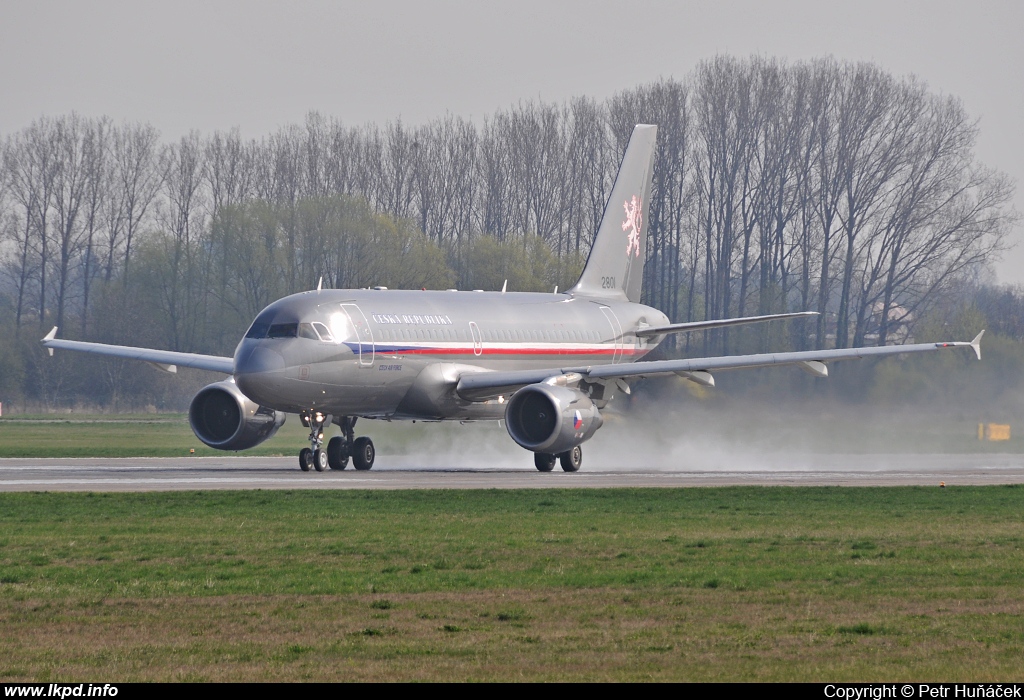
(615,266)
(320,284)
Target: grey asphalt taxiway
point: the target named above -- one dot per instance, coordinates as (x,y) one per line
(398,472)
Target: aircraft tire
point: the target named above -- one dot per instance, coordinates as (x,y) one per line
(319,460)
(572,459)
(543,462)
(336,456)
(305,459)
(363,453)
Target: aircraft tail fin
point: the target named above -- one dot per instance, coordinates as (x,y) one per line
(615,267)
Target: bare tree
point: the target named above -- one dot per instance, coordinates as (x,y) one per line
(96,148)
(32,163)
(494,172)
(538,167)
(139,176)
(69,199)
(180,278)
(448,158)
(395,170)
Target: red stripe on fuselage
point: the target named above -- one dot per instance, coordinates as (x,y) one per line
(385,349)
(507,351)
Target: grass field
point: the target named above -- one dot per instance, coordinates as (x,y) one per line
(660,584)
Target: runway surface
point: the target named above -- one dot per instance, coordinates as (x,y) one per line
(204,473)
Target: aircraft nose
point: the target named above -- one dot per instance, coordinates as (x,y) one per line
(257,359)
(257,370)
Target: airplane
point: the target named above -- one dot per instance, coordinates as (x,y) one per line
(547,364)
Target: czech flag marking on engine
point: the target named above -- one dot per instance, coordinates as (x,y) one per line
(577,421)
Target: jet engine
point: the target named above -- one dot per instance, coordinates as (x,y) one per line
(223,418)
(551,419)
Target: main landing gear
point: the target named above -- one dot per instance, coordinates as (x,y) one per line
(339,448)
(570,460)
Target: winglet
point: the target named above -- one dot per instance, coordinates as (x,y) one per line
(50,336)
(976,344)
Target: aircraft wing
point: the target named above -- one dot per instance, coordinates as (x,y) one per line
(166,360)
(720,323)
(480,386)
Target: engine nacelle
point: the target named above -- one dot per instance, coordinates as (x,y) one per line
(551,419)
(223,418)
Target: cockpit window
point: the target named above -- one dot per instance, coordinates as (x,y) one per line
(259,327)
(283,330)
(323,331)
(315,331)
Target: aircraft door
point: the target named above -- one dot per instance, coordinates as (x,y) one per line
(616,327)
(478,341)
(363,333)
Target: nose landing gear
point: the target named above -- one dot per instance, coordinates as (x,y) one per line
(314,456)
(339,448)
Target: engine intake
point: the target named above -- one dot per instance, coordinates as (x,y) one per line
(223,418)
(551,419)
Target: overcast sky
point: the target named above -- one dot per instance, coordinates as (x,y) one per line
(258,65)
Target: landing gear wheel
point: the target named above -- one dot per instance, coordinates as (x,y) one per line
(363,453)
(572,459)
(319,460)
(337,456)
(314,456)
(543,462)
(305,459)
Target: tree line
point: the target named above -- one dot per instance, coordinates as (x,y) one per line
(820,185)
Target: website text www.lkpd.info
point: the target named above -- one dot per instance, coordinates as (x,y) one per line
(61,690)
